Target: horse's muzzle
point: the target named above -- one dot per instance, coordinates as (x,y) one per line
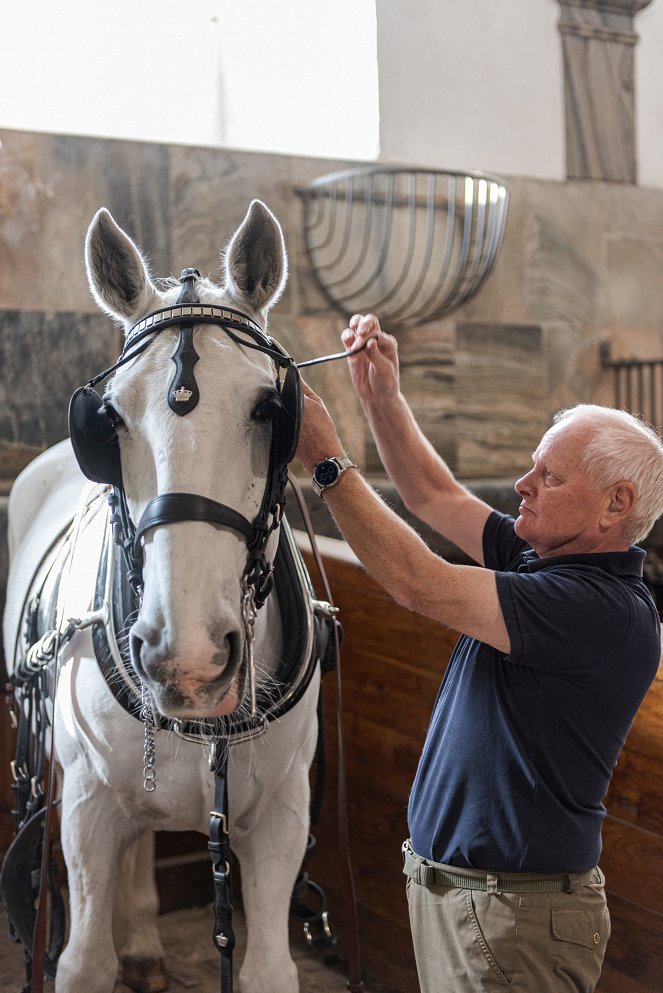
(204,682)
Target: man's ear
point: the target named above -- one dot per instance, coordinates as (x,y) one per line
(621,501)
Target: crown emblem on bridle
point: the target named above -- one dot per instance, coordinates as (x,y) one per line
(182,395)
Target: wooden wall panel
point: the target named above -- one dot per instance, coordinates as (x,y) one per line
(632,860)
(634,958)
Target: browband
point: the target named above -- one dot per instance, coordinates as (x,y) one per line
(200,313)
(203,313)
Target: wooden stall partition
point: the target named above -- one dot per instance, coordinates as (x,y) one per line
(632,856)
(392,663)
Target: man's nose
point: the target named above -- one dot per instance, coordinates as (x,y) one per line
(525,485)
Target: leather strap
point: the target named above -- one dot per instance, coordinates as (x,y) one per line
(171,508)
(220,854)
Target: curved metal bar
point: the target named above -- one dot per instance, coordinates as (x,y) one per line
(431,215)
(411,243)
(453,297)
(324,182)
(328,211)
(429,306)
(384,245)
(360,254)
(347,230)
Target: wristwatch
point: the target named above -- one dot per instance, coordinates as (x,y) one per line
(328,472)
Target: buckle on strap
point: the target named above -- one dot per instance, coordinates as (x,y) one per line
(416,867)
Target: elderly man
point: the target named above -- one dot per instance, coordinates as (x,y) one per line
(560,642)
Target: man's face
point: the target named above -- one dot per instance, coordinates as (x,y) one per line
(560,513)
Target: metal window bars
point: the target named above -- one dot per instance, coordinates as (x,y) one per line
(638,385)
(411,245)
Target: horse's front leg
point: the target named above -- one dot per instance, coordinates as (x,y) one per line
(269,835)
(135,928)
(270,858)
(95,834)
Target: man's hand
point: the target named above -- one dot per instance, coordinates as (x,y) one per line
(374,369)
(318,438)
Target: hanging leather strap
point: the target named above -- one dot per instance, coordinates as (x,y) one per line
(40,938)
(219,849)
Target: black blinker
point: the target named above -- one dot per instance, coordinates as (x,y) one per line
(93,438)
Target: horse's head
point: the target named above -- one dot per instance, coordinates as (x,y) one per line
(194,406)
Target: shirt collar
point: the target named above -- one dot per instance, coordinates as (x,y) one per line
(628,563)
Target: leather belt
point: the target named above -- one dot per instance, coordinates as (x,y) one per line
(428,873)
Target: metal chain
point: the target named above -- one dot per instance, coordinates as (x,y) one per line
(149,756)
(249,615)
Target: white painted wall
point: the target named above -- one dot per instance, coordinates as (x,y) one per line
(649,94)
(472,84)
(467,84)
(294,76)
(129,69)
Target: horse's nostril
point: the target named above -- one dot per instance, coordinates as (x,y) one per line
(135,645)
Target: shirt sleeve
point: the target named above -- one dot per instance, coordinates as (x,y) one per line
(567,619)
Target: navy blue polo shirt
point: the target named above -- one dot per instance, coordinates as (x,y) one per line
(521,747)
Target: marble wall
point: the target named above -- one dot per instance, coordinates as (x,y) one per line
(580,264)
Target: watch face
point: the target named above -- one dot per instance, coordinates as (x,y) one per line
(326,473)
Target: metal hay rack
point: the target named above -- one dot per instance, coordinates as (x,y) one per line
(411,245)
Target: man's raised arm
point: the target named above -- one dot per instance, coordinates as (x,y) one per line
(425,483)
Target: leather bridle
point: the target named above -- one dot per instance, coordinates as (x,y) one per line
(96,447)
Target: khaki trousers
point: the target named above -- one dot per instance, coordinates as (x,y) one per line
(471,941)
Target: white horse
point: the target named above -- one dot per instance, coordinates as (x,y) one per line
(189,642)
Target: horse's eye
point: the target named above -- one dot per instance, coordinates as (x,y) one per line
(263,412)
(113,415)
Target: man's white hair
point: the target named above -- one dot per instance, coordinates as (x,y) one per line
(623,447)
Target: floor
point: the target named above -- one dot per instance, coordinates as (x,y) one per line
(192,962)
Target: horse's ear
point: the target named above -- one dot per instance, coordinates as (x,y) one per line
(118,276)
(256,264)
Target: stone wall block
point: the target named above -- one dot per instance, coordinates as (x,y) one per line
(428,380)
(210,193)
(574,367)
(634,275)
(502,297)
(44,357)
(563,262)
(501,398)
(50,188)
